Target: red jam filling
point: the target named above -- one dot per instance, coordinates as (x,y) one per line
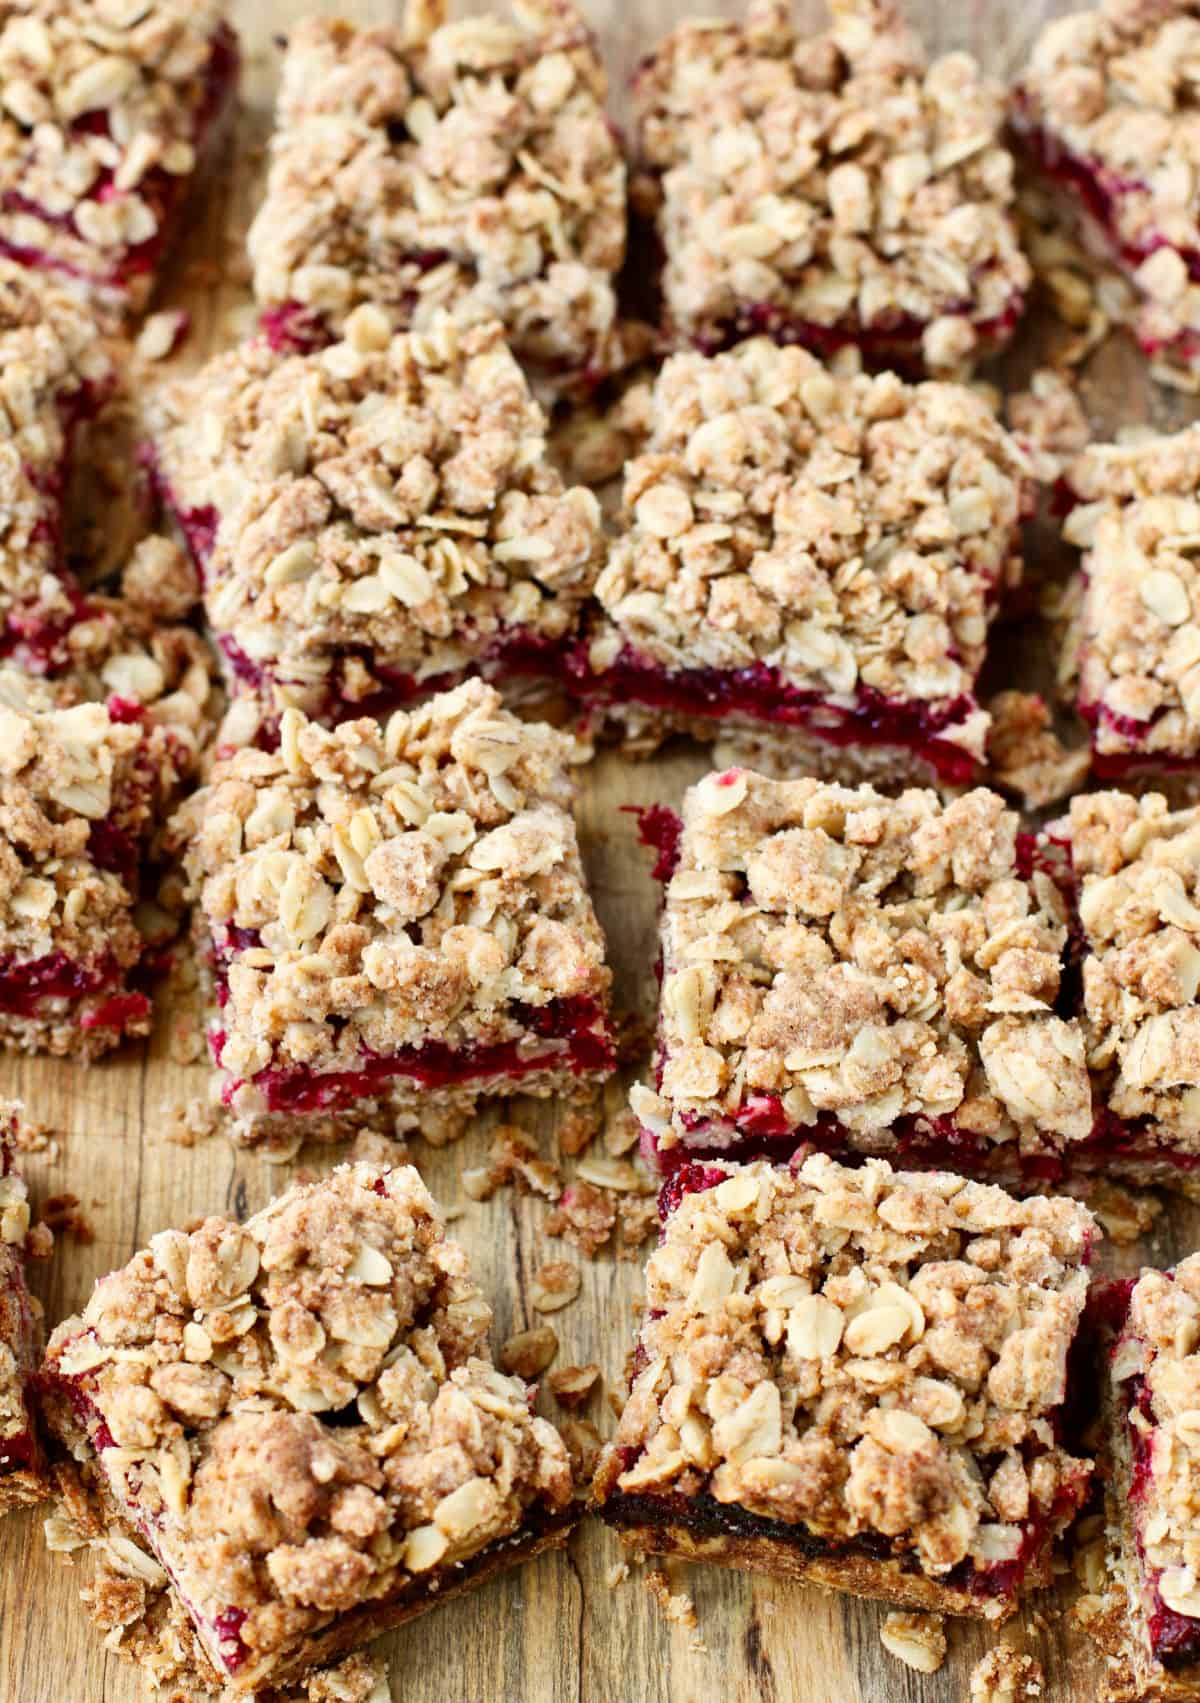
(659,829)
(291,328)
(760,693)
(18,1452)
(888,339)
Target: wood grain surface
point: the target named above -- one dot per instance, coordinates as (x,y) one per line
(555,1631)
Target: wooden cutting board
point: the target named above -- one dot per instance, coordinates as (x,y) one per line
(555,1631)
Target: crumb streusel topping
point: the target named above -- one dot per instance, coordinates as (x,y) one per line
(389,492)
(20,1325)
(1138,868)
(1158,1346)
(466,166)
(412,882)
(864,958)
(1134,642)
(854,533)
(842,181)
(862,1351)
(215,1360)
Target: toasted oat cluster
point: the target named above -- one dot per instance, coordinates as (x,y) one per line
(54,372)
(299,1418)
(22,1468)
(864,972)
(1133,640)
(105,109)
(396,915)
(853,1375)
(832,192)
(466,166)
(1106,108)
(375,518)
(820,554)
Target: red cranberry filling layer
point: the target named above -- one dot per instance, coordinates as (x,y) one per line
(26,982)
(760,693)
(891,338)
(291,328)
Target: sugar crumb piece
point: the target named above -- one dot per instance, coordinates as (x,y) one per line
(1003,1676)
(578,1130)
(189,1125)
(529,1352)
(583,1446)
(584,1217)
(676,1606)
(30,1135)
(572,1385)
(917,1640)
(554,1286)
(1026,756)
(515,1159)
(616,1174)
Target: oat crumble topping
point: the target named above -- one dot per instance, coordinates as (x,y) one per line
(1004,1676)
(834,187)
(466,166)
(21,1464)
(213,1374)
(846,1348)
(841,955)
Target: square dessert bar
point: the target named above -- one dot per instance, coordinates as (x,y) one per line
(397,920)
(22,1465)
(1105,110)
(1152,1485)
(808,565)
(372,520)
(54,374)
(857,1378)
(863,974)
(466,166)
(837,192)
(299,1419)
(1132,650)
(106,110)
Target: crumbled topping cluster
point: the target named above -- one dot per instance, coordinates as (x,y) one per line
(20,1323)
(52,369)
(215,1361)
(412,882)
(863,958)
(861,1351)
(839,182)
(466,166)
(390,493)
(101,105)
(1158,1347)
(1138,866)
(1114,88)
(1134,638)
(854,533)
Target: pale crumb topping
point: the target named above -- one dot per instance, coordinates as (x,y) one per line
(855,533)
(842,181)
(1049,421)
(1004,1676)
(864,1352)
(225,1364)
(52,368)
(832,953)
(466,166)
(917,1640)
(402,883)
(1138,868)
(388,496)
(1162,1410)
(92,191)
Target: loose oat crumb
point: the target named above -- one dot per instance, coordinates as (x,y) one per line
(637,1221)
(1124,1216)
(579,1129)
(572,1385)
(554,1286)
(676,1606)
(583,1446)
(1026,756)
(64,1216)
(622,1135)
(188,1125)
(917,1640)
(529,1352)
(162,334)
(1003,1676)
(29,1135)
(584,1217)
(515,1159)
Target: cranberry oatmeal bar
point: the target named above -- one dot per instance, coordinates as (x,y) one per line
(466,166)
(856,1378)
(1106,111)
(810,563)
(863,974)
(837,192)
(373,520)
(1132,649)
(107,108)
(299,1419)
(397,921)
(22,1466)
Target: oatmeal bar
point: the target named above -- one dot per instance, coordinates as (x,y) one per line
(810,563)
(466,166)
(1132,651)
(1152,1443)
(106,110)
(22,1467)
(375,519)
(298,1418)
(1106,111)
(855,1378)
(396,919)
(834,192)
(863,974)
